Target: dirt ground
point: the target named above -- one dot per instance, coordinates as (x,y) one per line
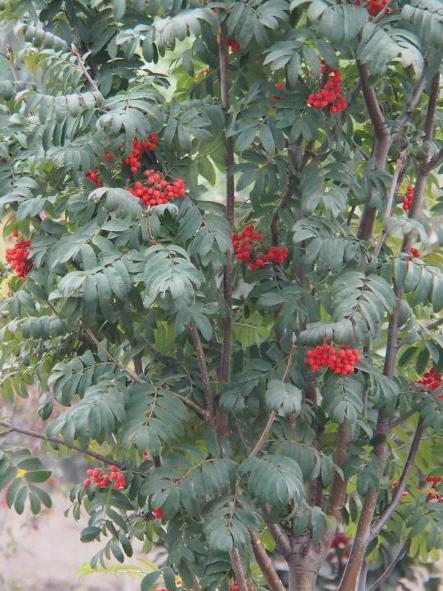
(44,553)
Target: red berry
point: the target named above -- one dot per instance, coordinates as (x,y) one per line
(414,252)
(86,482)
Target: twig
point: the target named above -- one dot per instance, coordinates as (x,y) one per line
(265,564)
(135,377)
(237,567)
(423,171)
(262,438)
(56,441)
(399,167)
(387,572)
(382,12)
(435,161)
(225,366)
(402,419)
(379,524)
(110,357)
(206,382)
(83,68)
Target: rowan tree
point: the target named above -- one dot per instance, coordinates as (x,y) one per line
(250,374)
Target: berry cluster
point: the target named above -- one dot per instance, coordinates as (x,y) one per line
(341,361)
(414,252)
(434,480)
(407,200)
(375,6)
(431,379)
(330,94)
(340,540)
(248,248)
(133,160)
(18,258)
(156,189)
(102,478)
(233,45)
(157,512)
(94,176)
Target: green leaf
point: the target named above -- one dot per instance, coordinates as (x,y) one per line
(284,398)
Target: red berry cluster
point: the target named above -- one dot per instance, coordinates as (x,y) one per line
(133,160)
(341,361)
(414,252)
(102,478)
(340,540)
(434,480)
(330,93)
(157,190)
(18,258)
(431,379)
(248,248)
(233,45)
(157,512)
(94,176)
(375,6)
(407,200)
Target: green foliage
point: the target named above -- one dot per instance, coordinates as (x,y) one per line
(101,325)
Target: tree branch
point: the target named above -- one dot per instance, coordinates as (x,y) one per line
(363,534)
(387,572)
(54,440)
(338,489)
(382,144)
(237,567)
(379,524)
(423,170)
(262,438)
(399,168)
(265,564)
(225,367)
(206,382)
(83,68)
(435,161)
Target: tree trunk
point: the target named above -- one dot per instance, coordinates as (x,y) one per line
(303,573)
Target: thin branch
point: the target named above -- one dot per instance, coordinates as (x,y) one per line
(280,537)
(411,104)
(382,144)
(237,567)
(265,564)
(435,161)
(84,70)
(387,572)
(135,377)
(338,489)
(402,419)
(111,358)
(262,438)
(226,357)
(399,168)
(56,441)
(423,171)
(379,524)
(206,382)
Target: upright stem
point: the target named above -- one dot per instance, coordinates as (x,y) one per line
(237,567)
(265,564)
(363,534)
(204,373)
(382,144)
